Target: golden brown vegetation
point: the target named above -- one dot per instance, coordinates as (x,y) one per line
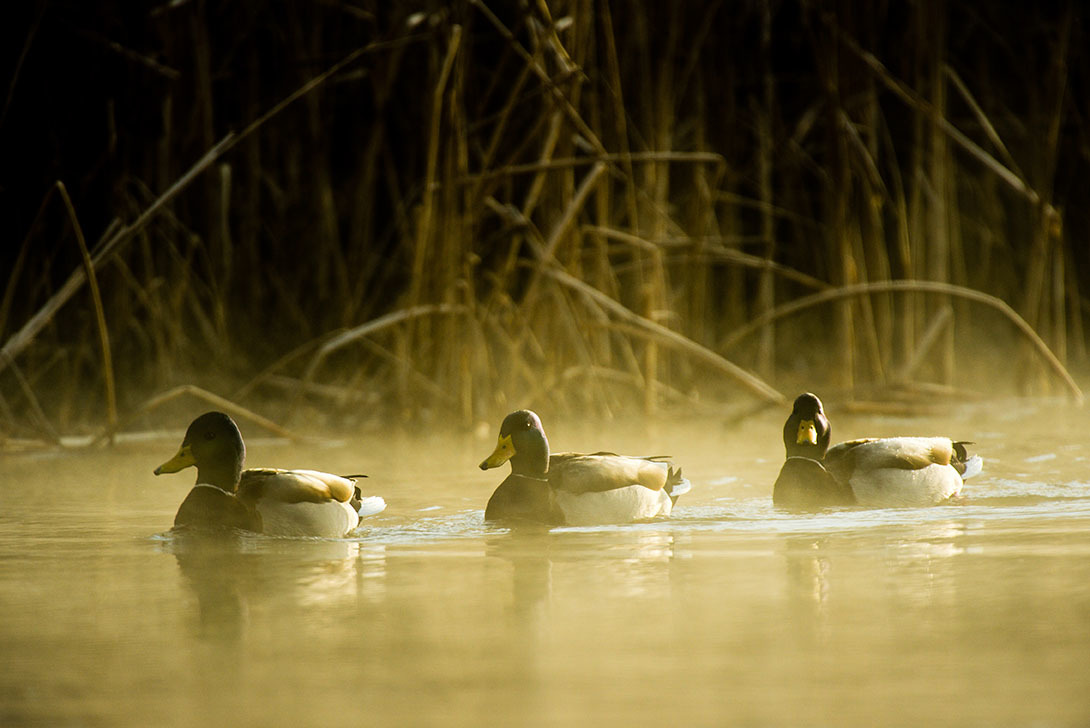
(416,211)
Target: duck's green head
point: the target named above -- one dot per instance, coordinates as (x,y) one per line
(214,445)
(522,441)
(806,432)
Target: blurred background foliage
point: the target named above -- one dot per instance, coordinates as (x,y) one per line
(420,211)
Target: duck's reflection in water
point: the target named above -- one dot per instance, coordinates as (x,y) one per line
(236,574)
(215,566)
(808,579)
(909,572)
(642,573)
(560,582)
(630,569)
(370,571)
(528,550)
(922,569)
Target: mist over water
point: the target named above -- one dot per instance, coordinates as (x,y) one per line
(729,613)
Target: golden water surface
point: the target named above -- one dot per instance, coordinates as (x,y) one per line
(728,613)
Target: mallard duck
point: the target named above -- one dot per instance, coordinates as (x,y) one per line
(572,489)
(886,471)
(265,500)
(803,481)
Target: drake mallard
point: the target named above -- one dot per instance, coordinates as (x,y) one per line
(570,489)
(803,481)
(265,500)
(885,471)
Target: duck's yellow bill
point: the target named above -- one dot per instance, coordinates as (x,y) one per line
(807,434)
(503,452)
(182,460)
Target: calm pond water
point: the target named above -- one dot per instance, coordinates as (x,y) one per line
(729,613)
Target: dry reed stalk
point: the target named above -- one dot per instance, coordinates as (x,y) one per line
(866,228)
(839,192)
(619,113)
(548,148)
(940,176)
(600,273)
(552,40)
(221,403)
(697,272)
(357,333)
(456,286)
(706,254)
(709,256)
(375,161)
(96,300)
(1044,249)
(867,329)
(9,420)
(903,323)
(569,319)
(665,107)
(1059,323)
(623,160)
(934,287)
(930,337)
(653,302)
(340,395)
(20,261)
(622,345)
(420,381)
(565,223)
(546,252)
(880,311)
(917,408)
(732,300)
(36,410)
(519,371)
(663,335)
(497,137)
(982,118)
(1074,314)
(558,96)
(424,220)
(766,294)
(915,313)
(281,362)
(632,381)
(433,205)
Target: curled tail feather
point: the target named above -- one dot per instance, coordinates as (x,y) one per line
(676,484)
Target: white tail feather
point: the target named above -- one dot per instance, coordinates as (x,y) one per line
(370,505)
(973,466)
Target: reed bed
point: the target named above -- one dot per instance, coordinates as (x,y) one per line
(358,213)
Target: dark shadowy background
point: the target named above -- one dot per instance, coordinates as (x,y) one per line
(443,176)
